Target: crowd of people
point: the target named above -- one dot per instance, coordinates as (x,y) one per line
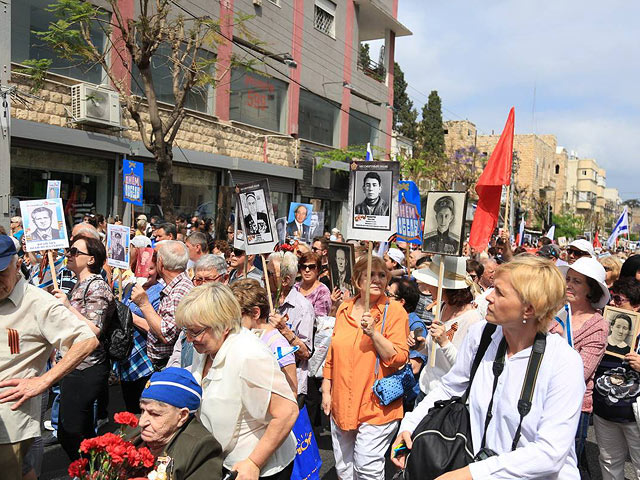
(225,352)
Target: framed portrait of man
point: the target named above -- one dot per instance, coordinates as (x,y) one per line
(255,217)
(444,218)
(299,220)
(624,326)
(44,226)
(316,228)
(118,246)
(373,206)
(341,262)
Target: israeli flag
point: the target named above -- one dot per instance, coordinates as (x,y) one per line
(369,153)
(521,232)
(622,226)
(551,233)
(563,317)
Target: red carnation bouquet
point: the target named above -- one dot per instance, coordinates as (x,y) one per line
(110,457)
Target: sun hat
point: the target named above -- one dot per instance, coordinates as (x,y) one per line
(455,273)
(592,268)
(174,386)
(396,255)
(7,251)
(583,245)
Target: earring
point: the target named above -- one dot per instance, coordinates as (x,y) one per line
(524,321)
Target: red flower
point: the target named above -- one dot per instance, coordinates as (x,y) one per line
(148,460)
(126,418)
(77,468)
(89,444)
(117,453)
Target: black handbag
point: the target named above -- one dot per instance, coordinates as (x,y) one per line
(442,441)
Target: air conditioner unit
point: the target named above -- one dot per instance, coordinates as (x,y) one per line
(94,105)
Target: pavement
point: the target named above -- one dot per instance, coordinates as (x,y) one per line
(55,462)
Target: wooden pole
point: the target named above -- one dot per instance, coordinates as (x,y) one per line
(506,208)
(407,256)
(266,282)
(432,357)
(368,279)
(52,269)
(120,284)
(246,264)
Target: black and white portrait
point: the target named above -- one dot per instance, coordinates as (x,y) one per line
(623,331)
(444,222)
(316,228)
(43,224)
(256,220)
(43,221)
(256,216)
(281,228)
(373,190)
(118,246)
(341,261)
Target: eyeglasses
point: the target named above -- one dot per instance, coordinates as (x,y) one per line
(73,252)
(199,280)
(390,295)
(194,335)
(576,253)
(307,266)
(473,276)
(618,299)
(315,249)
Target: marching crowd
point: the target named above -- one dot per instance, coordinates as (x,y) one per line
(227,349)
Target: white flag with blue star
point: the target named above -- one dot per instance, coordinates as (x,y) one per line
(369,153)
(622,226)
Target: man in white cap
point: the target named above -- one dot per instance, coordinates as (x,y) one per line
(578,249)
(394,258)
(334,234)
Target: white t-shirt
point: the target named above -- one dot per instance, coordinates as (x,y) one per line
(235,399)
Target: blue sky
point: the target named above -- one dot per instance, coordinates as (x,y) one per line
(582,58)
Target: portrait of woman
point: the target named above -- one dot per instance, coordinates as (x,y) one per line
(623,329)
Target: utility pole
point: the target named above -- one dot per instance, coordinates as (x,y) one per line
(5,113)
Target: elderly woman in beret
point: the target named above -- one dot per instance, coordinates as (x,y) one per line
(169,428)
(247,403)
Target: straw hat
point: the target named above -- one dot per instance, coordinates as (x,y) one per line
(455,273)
(590,267)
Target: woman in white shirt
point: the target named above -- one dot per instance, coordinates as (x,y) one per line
(528,291)
(458,314)
(247,403)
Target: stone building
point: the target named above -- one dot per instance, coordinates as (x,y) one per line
(312,94)
(459,134)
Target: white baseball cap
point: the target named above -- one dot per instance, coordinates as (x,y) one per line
(396,255)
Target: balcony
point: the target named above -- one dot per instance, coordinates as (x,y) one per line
(375,17)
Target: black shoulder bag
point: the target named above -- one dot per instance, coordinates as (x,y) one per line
(442,441)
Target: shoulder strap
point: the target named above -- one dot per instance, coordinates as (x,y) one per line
(526,395)
(86,290)
(498,367)
(384,318)
(485,341)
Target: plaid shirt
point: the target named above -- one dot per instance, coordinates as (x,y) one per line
(169,299)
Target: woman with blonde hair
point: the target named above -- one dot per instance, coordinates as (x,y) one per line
(528,292)
(612,265)
(363,340)
(247,404)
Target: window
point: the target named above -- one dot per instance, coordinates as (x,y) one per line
(584,172)
(446,131)
(318,119)
(469,133)
(258,100)
(557,169)
(362,128)
(28,16)
(324,17)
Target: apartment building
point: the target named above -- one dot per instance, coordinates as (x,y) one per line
(309,94)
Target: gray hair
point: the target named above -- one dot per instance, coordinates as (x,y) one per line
(199,238)
(488,261)
(174,255)
(288,263)
(211,262)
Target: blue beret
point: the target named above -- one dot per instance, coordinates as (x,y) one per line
(174,386)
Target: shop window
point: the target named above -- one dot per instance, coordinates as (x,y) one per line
(29,16)
(362,128)
(318,119)
(258,100)
(200,98)
(324,17)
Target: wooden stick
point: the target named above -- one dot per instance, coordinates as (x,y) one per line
(246,264)
(52,269)
(368,279)
(120,284)
(406,261)
(506,208)
(266,282)
(432,358)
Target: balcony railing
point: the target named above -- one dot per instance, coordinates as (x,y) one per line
(372,69)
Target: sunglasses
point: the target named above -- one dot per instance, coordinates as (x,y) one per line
(315,249)
(576,253)
(307,266)
(74,252)
(238,253)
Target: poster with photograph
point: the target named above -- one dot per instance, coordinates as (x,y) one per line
(299,220)
(317,226)
(623,331)
(144,262)
(44,226)
(256,217)
(341,262)
(281,228)
(118,246)
(444,217)
(373,191)
(53,189)
(132,182)
(409,219)
(238,238)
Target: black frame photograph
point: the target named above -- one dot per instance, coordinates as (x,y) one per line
(444,219)
(255,216)
(624,326)
(348,252)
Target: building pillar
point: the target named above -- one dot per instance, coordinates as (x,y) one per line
(346,74)
(5,113)
(223,65)
(297,37)
(120,59)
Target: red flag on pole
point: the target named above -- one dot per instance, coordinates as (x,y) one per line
(489,187)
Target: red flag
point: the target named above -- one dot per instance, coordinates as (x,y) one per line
(596,241)
(489,187)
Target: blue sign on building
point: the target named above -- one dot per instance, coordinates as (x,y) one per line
(132,181)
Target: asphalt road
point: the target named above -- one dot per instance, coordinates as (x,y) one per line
(55,461)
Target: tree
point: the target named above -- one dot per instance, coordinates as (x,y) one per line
(160,34)
(403,111)
(568,226)
(430,139)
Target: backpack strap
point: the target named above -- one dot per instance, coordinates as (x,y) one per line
(498,367)
(384,318)
(526,395)
(485,341)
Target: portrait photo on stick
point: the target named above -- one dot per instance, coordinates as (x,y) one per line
(444,218)
(341,261)
(624,327)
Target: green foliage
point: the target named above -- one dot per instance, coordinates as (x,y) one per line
(37,70)
(403,111)
(569,226)
(346,155)
(430,141)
